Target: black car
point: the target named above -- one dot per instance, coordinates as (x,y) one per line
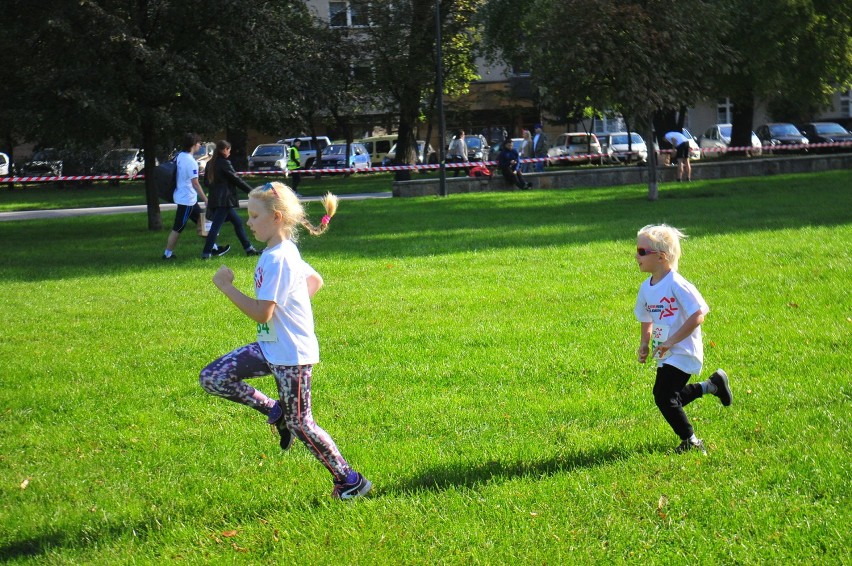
(782,136)
(44,163)
(829,133)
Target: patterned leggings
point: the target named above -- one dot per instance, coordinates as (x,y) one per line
(224,378)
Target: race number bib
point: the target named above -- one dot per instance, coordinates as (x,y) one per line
(659,334)
(266,332)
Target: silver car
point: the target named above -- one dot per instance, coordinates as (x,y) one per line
(717,138)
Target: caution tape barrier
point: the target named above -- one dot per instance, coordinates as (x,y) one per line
(429,167)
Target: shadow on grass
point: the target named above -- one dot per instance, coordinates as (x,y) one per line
(469,475)
(44,250)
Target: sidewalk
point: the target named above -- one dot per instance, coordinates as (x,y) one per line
(69,212)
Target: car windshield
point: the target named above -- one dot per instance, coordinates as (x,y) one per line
(831,128)
(45,155)
(268,151)
(122,154)
(202,151)
(337,149)
(725,130)
(784,130)
(622,139)
(517,143)
(580,140)
(473,143)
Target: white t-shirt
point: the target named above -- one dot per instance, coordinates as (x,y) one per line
(187,170)
(667,304)
(280,276)
(676,138)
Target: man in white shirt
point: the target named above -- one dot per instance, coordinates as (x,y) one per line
(681,145)
(187,193)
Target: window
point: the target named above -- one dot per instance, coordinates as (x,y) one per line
(348,14)
(846,103)
(724,110)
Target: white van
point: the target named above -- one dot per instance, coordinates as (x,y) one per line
(378,146)
(4,164)
(307,150)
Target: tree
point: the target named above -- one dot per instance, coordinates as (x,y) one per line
(791,54)
(400,42)
(171,67)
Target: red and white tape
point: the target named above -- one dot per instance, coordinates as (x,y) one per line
(584,157)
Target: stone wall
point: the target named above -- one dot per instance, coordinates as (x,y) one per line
(634,175)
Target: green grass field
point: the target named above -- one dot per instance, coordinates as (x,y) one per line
(478,366)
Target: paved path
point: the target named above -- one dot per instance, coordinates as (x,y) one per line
(69,212)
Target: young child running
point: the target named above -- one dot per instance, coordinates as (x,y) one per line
(286,345)
(671,310)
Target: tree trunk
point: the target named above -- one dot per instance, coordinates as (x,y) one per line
(743,116)
(152,199)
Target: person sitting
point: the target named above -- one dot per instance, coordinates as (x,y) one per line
(508,161)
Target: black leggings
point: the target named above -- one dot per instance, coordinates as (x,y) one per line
(672,394)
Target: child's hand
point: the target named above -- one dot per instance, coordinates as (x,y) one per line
(642,353)
(223,276)
(661,350)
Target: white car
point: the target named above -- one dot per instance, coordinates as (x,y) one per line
(617,147)
(694,149)
(4,164)
(716,139)
(575,147)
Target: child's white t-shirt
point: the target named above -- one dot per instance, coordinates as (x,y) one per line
(280,276)
(187,170)
(667,304)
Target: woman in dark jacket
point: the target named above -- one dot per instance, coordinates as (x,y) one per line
(222,202)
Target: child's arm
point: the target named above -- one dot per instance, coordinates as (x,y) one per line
(691,324)
(315,283)
(644,341)
(258,311)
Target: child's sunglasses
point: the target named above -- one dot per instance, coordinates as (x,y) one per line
(643,252)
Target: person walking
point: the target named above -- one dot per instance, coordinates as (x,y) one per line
(508,161)
(222,202)
(540,147)
(681,145)
(294,163)
(670,311)
(458,153)
(286,344)
(187,193)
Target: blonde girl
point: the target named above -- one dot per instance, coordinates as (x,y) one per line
(286,344)
(526,151)
(671,310)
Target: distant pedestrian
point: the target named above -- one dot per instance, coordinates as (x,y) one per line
(222,203)
(286,344)
(457,153)
(294,163)
(540,148)
(681,145)
(671,311)
(526,151)
(187,193)
(508,161)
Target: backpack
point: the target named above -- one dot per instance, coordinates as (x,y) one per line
(165,179)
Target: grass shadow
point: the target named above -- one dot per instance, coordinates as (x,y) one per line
(467,475)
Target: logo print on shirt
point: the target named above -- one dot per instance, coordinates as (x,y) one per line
(669,308)
(258,278)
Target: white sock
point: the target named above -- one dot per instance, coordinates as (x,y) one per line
(167,253)
(693,439)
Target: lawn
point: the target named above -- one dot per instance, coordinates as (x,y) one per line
(478,366)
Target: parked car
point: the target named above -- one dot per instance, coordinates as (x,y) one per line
(422,158)
(203,155)
(781,136)
(716,139)
(828,133)
(44,163)
(129,161)
(477,147)
(378,146)
(4,164)
(621,147)
(334,157)
(308,150)
(694,149)
(269,157)
(575,147)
